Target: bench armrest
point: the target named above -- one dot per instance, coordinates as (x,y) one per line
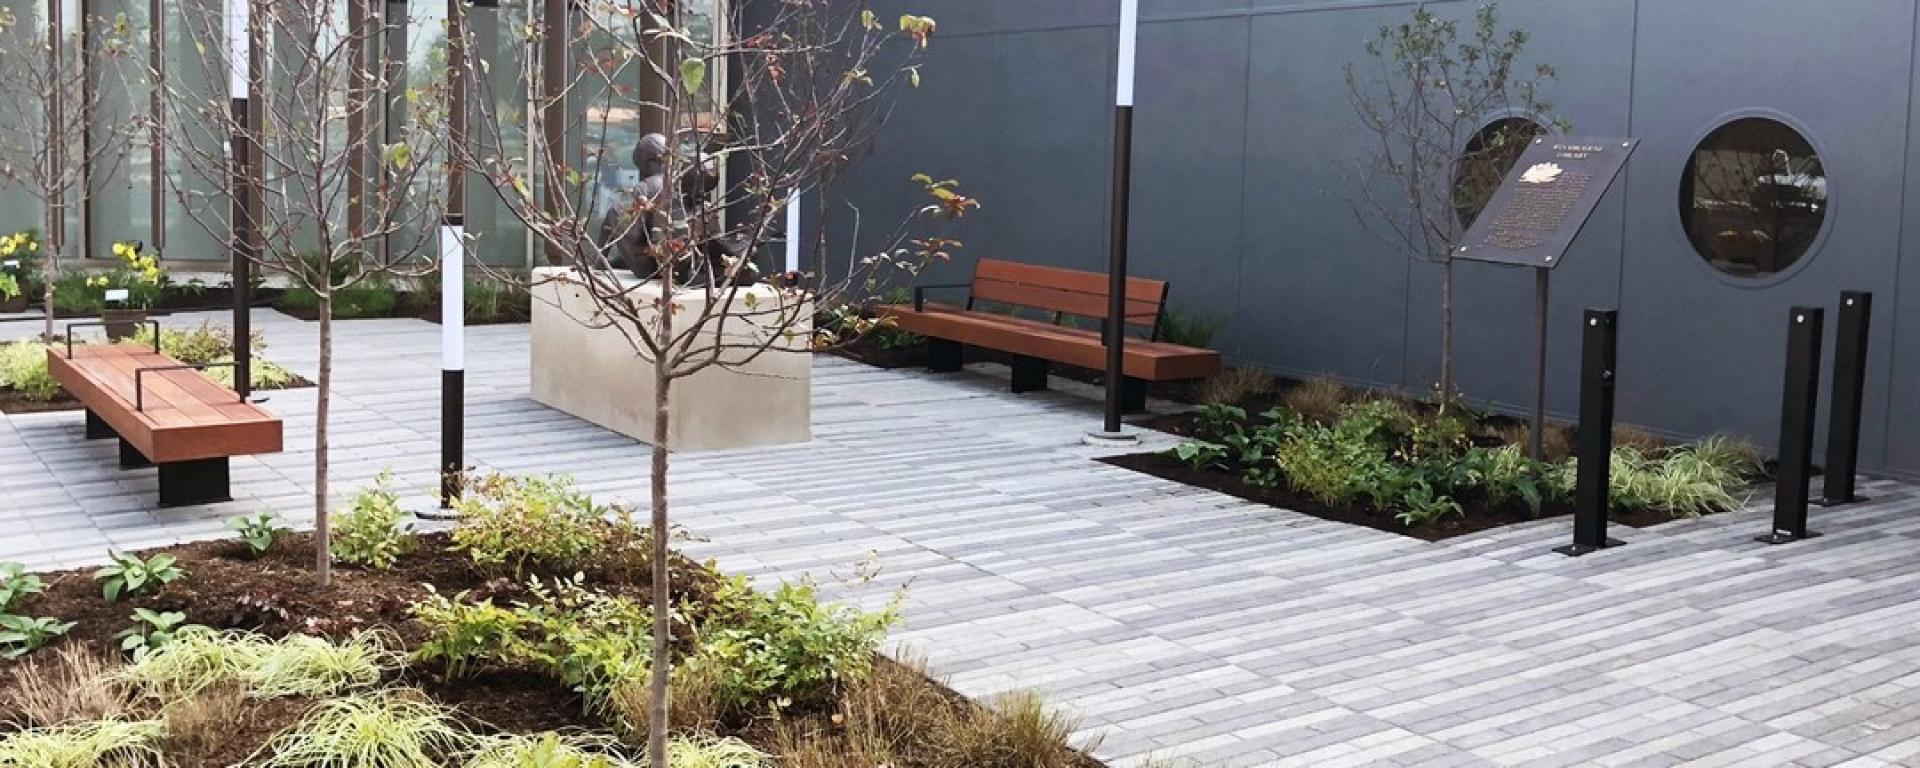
(920,293)
(154,324)
(139,392)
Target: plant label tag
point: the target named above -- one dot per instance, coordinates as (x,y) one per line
(10,263)
(117,294)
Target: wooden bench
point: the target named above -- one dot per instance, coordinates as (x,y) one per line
(165,414)
(1035,343)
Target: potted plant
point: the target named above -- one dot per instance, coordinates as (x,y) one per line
(129,289)
(18,254)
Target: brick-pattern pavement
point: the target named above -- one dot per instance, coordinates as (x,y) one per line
(1175,621)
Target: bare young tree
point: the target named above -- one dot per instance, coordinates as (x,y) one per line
(1422,97)
(330,201)
(782,99)
(56,81)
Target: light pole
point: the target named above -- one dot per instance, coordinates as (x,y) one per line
(453,270)
(243,64)
(1115,332)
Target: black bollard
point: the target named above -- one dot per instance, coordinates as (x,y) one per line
(1849,386)
(1800,399)
(1599,342)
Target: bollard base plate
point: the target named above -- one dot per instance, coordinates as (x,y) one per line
(1785,537)
(1576,550)
(1826,502)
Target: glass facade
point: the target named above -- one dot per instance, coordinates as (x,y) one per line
(123,194)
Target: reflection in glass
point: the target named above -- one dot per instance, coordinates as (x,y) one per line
(1753,197)
(1485,163)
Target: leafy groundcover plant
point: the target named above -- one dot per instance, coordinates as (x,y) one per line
(1432,471)
(475,650)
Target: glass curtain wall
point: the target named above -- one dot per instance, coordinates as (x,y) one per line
(121,179)
(19,210)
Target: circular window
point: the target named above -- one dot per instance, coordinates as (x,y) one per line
(1753,197)
(1485,163)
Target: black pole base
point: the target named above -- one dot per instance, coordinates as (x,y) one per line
(98,428)
(1576,550)
(1785,537)
(189,483)
(1826,502)
(943,355)
(453,436)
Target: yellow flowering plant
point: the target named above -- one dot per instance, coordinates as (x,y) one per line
(139,274)
(19,262)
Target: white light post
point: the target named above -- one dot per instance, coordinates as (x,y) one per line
(1115,333)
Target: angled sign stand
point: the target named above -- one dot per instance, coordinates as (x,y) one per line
(1533,219)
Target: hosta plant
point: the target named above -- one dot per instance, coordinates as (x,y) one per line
(129,575)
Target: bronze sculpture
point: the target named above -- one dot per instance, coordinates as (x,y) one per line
(627,231)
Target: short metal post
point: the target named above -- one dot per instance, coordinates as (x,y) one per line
(1849,387)
(1800,399)
(1537,420)
(1599,344)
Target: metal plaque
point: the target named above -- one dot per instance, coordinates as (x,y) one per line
(1545,200)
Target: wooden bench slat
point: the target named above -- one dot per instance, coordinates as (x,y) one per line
(1067,291)
(186,416)
(1149,360)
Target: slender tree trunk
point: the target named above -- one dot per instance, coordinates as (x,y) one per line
(1446,331)
(662,594)
(322,556)
(49,267)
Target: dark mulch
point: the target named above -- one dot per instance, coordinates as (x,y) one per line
(274,594)
(1478,515)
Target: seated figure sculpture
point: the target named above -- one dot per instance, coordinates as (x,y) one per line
(628,229)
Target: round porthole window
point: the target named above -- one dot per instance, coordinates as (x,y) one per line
(1753,197)
(1485,161)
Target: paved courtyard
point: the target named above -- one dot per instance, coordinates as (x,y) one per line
(1176,622)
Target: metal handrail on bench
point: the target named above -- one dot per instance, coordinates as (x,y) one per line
(154,324)
(139,392)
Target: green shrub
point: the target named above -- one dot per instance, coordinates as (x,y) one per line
(784,648)
(151,631)
(387,729)
(211,344)
(129,575)
(16,584)
(72,294)
(21,635)
(265,374)
(105,743)
(9,286)
(1507,475)
(23,367)
(465,635)
(1179,326)
(508,523)
(372,533)
(256,532)
(197,658)
(588,640)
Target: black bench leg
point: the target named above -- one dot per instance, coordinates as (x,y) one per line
(943,355)
(1029,374)
(1133,395)
(131,457)
(184,483)
(98,428)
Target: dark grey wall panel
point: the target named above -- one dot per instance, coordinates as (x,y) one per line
(1321,294)
(1716,343)
(1189,162)
(1247,157)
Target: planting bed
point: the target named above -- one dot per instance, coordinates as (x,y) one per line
(1411,468)
(888,714)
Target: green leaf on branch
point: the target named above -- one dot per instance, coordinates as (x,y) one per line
(693,74)
(399,155)
(869,20)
